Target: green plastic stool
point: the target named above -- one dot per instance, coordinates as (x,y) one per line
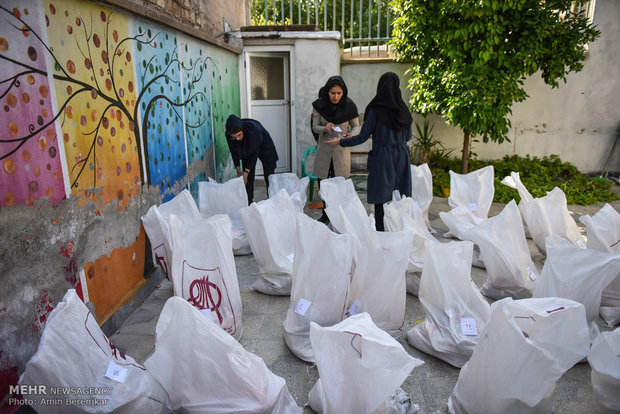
(309,151)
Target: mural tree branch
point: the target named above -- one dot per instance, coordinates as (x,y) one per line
(469,59)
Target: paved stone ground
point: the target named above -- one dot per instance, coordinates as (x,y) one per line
(429,385)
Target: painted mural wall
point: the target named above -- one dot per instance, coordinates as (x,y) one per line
(105,114)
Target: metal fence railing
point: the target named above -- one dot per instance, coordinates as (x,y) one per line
(365,26)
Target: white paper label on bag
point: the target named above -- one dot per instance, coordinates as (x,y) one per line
(473,206)
(581,244)
(207,313)
(468,326)
(531,272)
(337,129)
(355,307)
(290,257)
(116,372)
(302,306)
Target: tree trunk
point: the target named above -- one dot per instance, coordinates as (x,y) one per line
(465,159)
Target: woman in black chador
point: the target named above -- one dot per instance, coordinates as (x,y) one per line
(388,120)
(248,141)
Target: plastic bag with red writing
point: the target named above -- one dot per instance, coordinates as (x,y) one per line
(203,269)
(75,353)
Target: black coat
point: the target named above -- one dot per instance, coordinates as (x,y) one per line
(256,144)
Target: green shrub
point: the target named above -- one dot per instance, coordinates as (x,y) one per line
(539,175)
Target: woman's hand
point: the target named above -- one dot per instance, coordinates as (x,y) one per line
(329,127)
(333,142)
(345,135)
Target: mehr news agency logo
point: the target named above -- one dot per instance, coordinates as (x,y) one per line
(58,396)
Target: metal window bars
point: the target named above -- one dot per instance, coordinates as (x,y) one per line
(364,25)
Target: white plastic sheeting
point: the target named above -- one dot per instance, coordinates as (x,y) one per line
(604,359)
(295,187)
(603,230)
(74,352)
(203,269)
(504,250)
(157,226)
(456,312)
(321,281)
(360,367)
(422,189)
(206,370)
(271,227)
(577,274)
(378,283)
(549,215)
(527,346)
(226,198)
(403,214)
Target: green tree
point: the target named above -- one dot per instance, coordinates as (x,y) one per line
(470,58)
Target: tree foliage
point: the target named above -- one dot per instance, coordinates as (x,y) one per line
(470,58)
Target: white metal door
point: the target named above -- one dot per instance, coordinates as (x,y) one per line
(269,100)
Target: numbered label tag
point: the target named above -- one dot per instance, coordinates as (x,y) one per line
(355,307)
(468,326)
(207,313)
(302,306)
(116,372)
(531,272)
(581,244)
(472,206)
(290,257)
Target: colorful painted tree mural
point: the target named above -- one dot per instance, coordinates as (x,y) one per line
(119,124)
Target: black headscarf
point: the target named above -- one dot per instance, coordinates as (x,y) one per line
(345,110)
(388,104)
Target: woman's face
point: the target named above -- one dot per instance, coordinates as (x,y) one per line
(335,94)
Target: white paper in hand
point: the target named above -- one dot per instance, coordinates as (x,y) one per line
(337,129)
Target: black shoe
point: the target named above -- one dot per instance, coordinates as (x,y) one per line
(324,219)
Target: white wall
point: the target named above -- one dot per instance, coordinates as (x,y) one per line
(578,120)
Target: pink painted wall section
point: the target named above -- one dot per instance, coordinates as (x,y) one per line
(31,162)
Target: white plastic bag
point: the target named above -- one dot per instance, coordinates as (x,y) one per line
(422,189)
(203,269)
(271,229)
(474,191)
(378,283)
(74,352)
(295,187)
(403,214)
(337,191)
(360,366)
(527,346)
(456,312)
(321,280)
(504,250)
(514,181)
(603,231)
(459,221)
(604,359)
(577,274)
(226,198)
(549,215)
(157,226)
(354,212)
(205,370)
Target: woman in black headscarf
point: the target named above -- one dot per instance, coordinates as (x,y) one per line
(388,120)
(333,114)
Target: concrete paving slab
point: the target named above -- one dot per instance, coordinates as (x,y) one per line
(429,385)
